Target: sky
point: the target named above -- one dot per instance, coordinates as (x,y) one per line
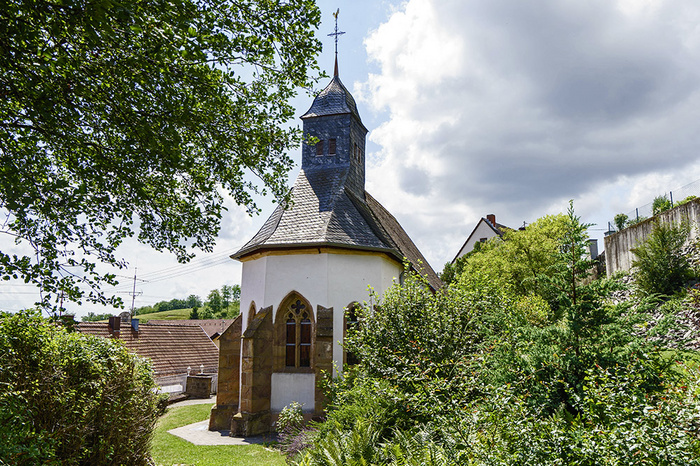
(496,107)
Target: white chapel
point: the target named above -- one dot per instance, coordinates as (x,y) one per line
(303,272)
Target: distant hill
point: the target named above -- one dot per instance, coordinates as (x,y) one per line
(175,314)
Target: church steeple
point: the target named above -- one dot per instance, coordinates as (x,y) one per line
(334,133)
(336,34)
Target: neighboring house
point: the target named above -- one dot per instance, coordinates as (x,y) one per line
(174,349)
(484,230)
(310,261)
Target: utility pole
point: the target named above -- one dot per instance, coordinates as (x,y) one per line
(134,293)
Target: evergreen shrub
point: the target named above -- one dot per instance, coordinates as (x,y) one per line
(660,265)
(71,399)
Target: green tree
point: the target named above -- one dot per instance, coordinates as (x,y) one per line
(621,221)
(194,313)
(193,301)
(92,317)
(69,398)
(214,301)
(230,294)
(660,265)
(519,260)
(132,118)
(660,204)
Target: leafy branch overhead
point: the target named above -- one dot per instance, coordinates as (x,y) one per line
(127,118)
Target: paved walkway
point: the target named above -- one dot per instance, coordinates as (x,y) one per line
(199,433)
(195,401)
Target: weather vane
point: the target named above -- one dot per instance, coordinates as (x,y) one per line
(336,34)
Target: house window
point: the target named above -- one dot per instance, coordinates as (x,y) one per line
(319,147)
(298,336)
(331,146)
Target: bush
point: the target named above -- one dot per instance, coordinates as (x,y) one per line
(621,221)
(660,204)
(481,373)
(685,201)
(293,435)
(71,399)
(660,265)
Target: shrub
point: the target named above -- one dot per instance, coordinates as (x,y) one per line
(619,421)
(621,221)
(71,399)
(685,201)
(293,436)
(482,374)
(660,204)
(291,418)
(660,265)
(636,221)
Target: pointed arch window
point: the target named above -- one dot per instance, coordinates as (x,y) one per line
(298,336)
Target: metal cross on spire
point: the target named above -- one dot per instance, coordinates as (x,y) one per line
(336,34)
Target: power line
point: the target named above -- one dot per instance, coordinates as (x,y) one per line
(184,269)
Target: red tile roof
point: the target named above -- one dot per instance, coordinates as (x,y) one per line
(171,347)
(210,326)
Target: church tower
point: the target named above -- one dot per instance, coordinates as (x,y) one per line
(334,123)
(311,262)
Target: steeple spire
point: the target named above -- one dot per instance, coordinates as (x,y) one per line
(336,34)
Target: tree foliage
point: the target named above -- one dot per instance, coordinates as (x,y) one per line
(621,221)
(92,317)
(71,399)
(660,265)
(660,204)
(128,118)
(488,373)
(519,259)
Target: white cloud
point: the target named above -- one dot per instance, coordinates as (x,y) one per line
(515,107)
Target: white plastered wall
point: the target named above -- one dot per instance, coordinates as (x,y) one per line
(482,230)
(326,279)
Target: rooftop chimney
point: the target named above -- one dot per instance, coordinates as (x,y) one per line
(114,326)
(492,219)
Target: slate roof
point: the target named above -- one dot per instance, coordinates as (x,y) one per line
(325,213)
(335,99)
(170,347)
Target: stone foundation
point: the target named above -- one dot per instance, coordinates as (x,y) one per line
(250,424)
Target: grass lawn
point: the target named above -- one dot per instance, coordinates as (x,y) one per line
(170,450)
(175,314)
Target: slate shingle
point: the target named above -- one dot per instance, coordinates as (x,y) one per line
(335,99)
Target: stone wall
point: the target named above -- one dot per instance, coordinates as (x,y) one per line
(228,382)
(618,254)
(324,353)
(253,417)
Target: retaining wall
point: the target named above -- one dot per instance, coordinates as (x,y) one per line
(618,254)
